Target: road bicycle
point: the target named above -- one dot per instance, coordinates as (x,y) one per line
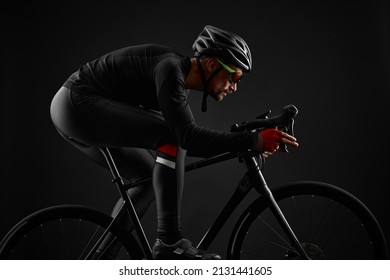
(298,220)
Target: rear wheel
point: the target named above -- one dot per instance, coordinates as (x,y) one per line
(66,232)
(329,222)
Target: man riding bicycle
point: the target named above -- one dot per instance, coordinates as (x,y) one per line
(135,100)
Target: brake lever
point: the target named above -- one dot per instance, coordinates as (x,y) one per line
(288,128)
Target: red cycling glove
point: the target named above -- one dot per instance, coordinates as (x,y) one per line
(271,139)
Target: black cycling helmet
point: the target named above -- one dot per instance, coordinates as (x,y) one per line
(226,45)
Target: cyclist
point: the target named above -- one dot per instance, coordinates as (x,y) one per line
(136,101)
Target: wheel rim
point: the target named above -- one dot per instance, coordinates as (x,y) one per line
(335,232)
(64,232)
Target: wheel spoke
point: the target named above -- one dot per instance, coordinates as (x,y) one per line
(78,237)
(274,231)
(313,236)
(47,242)
(32,246)
(66,232)
(89,241)
(271,242)
(334,229)
(333,223)
(64,240)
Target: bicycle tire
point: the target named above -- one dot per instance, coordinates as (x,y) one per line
(328,221)
(64,232)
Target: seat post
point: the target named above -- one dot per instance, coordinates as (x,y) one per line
(127,200)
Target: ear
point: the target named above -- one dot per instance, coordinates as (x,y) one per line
(211,64)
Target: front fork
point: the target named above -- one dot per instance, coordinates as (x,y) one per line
(258,181)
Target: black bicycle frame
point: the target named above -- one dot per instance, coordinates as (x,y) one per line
(253,178)
(131,210)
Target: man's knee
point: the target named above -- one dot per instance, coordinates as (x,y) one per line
(166,155)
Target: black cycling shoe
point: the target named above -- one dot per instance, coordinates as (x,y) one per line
(182,250)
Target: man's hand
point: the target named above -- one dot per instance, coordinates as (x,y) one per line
(271,139)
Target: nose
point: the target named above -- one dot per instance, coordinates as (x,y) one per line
(233,87)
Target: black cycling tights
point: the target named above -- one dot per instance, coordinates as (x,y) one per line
(168,174)
(89,121)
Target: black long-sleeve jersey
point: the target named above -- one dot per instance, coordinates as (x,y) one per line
(153,76)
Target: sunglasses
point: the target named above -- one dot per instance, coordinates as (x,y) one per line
(235,76)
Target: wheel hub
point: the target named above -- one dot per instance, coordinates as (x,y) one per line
(312,250)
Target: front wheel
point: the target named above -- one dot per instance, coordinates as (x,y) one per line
(66,232)
(329,222)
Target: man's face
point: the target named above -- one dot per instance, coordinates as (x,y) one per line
(222,85)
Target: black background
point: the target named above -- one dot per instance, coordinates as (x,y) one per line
(330,59)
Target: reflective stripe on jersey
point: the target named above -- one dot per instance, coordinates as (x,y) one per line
(166,162)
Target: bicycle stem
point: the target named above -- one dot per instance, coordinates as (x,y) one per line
(256,176)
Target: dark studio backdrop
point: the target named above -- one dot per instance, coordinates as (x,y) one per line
(330,59)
